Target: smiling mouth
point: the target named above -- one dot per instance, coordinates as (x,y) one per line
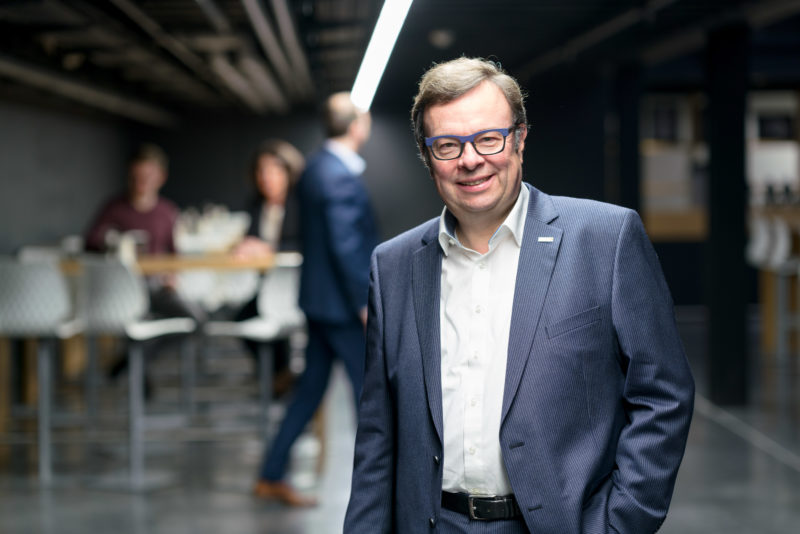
(475,182)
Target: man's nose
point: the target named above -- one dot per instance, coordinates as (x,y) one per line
(470,157)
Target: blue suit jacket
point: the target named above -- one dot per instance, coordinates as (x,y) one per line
(598,393)
(338,235)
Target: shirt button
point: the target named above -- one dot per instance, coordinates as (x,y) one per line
(432,522)
(482,266)
(478,308)
(473,402)
(451,242)
(475,355)
(472,450)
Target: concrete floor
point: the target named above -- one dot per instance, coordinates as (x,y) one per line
(741,473)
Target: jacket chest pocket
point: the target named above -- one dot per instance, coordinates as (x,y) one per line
(573,322)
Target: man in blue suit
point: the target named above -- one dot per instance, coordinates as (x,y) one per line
(338,236)
(524,371)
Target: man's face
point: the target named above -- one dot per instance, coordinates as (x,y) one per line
(145,178)
(478,190)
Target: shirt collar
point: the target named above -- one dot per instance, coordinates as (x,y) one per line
(514,224)
(354,163)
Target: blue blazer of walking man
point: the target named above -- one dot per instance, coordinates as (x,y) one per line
(338,236)
(524,372)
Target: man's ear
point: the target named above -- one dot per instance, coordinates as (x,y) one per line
(522,135)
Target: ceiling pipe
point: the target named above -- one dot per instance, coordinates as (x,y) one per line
(173,45)
(293,46)
(766,13)
(757,15)
(272,49)
(588,39)
(97,98)
(265,83)
(237,83)
(215,16)
(268,94)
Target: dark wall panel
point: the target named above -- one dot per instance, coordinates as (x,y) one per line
(55,168)
(210,158)
(564,151)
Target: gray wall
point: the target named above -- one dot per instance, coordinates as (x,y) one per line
(210,158)
(55,167)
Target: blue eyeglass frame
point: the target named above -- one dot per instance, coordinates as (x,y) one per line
(463,139)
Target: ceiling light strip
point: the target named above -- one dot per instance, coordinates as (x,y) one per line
(384,36)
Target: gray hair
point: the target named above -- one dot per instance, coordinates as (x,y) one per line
(444,82)
(338,113)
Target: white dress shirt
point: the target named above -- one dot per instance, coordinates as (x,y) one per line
(475,315)
(354,163)
(271,224)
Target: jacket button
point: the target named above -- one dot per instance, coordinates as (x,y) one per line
(432,522)
(436,460)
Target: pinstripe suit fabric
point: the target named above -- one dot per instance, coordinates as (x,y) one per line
(598,394)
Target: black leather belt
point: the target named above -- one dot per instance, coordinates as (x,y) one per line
(480,507)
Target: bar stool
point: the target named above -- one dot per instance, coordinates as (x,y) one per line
(114,301)
(35,303)
(279,318)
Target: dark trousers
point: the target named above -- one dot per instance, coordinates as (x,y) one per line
(326,342)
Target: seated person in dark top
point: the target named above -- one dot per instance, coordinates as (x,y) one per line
(275,168)
(141,208)
(274,226)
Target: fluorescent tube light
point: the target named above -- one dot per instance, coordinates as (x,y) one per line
(390,21)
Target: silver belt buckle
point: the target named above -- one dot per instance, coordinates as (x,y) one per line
(471,503)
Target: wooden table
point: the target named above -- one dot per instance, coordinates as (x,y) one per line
(150,264)
(163,263)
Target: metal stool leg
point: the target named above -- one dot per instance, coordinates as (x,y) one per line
(188,376)
(92,381)
(136,415)
(782,327)
(44,362)
(265,381)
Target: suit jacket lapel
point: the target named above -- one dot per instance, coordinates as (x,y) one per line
(536,262)
(426,282)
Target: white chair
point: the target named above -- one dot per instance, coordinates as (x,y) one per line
(279,318)
(759,241)
(114,300)
(35,303)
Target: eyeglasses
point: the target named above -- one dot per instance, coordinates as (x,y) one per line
(485,143)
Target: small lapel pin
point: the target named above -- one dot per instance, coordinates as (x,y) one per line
(545,239)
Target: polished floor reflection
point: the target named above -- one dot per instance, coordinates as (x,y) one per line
(741,473)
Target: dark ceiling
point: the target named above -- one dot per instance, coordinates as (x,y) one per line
(155,61)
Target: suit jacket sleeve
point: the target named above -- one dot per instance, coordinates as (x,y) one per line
(372,489)
(351,229)
(658,393)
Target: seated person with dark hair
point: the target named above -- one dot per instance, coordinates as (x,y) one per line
(141,208)
(274,226)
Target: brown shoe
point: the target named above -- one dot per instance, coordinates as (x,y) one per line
(282,492)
